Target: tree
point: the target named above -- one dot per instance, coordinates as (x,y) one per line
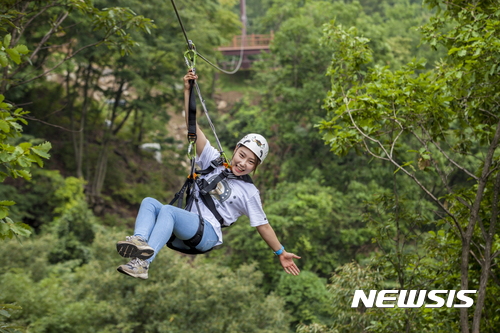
(16,159)
(182,294)
(18,153)
(286,89)
(21,17)
(450,111)
(346,319)
(54,31)
(113,100)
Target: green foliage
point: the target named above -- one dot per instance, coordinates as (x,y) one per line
(74,224)
(58,206)
(10,54)
(409,258)
(352,276)
(5,310)
(346,279)
(321,224)
(316,222)
(15,161)
(113,100)
(286,92)
(35,201)
(289,98)
(446,118)
(181,294)
(306,297)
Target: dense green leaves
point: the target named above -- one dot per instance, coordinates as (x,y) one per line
(451,111)
(431,124)
(181,295)
(8,53)
(16,160)
(113,99)
(5,312)
(306,297)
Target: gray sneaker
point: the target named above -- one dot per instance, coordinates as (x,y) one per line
(136,267)
(134,247)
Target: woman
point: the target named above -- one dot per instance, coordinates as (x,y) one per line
(156,224)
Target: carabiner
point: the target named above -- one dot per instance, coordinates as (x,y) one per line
(190,60)
(191,153)
(226,160)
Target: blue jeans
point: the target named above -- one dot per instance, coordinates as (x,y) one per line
(156,222)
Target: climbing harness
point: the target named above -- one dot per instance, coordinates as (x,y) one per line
(185,199)
(193,178)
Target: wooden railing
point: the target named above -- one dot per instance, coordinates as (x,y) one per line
(250,42)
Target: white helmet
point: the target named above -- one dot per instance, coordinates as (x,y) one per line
(257,144)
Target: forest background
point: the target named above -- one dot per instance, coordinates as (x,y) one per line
(382,119)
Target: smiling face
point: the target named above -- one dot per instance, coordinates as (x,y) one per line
(244,161)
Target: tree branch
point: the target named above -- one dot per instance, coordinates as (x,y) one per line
(446,155)
(17,34)
(49,34)
(400,132)
(494,212)
(482,182)
(390,159)
(57,65)
(373,154)
(441,174)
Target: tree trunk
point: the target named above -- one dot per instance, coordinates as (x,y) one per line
(488,234)
(99,177)
(102,161)
(79,139)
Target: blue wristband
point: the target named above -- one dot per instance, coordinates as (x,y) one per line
(280,251)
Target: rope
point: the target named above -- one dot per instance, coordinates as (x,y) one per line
(189,43)
(222,70)
(208,119)
(191,62)
(180,22)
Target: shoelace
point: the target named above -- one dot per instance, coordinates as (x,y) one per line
(138,262)
(132,238)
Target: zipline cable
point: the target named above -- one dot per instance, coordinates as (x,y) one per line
(191,62)
(204,107)
(237,68)
(180,22)
(240,61)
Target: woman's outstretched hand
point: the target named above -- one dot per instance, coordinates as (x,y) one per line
(286,259)
(189,76)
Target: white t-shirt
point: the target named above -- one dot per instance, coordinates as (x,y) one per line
(232,197)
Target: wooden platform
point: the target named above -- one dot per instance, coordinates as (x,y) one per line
(252,44)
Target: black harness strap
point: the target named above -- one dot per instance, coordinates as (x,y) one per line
(204,191)
(208,200)
(193,241)
(196,239)
(191,113)
(205,188)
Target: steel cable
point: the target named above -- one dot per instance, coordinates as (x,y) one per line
(240,61)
